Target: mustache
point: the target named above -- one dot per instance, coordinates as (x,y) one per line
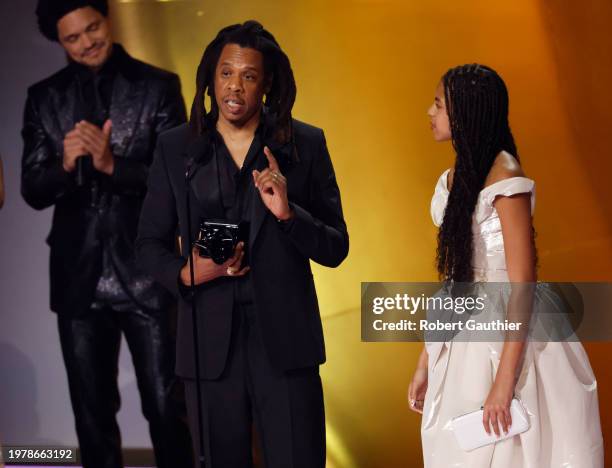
(96,45)
(233,97)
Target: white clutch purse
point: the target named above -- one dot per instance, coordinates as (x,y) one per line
(470,433)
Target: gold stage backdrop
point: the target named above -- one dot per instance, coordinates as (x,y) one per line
(366,72)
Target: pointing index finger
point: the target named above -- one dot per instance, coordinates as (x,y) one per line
(271,159)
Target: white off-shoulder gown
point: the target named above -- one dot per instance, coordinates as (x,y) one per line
(556,383)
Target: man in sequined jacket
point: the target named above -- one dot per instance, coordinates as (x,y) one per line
(89,132)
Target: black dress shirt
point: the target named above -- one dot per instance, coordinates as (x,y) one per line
(236,195)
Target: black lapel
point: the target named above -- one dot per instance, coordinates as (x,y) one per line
(283,155)
(126,106)
(65,106)
(202,174)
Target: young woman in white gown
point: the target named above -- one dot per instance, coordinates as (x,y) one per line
(483,207)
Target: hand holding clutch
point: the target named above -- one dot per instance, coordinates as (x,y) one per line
(470,432)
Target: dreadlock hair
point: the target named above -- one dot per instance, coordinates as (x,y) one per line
(279,100)
(477,106)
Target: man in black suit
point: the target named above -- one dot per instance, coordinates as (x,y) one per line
(89,133)
(260,334)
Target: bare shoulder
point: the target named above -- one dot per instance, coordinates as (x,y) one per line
(504,167)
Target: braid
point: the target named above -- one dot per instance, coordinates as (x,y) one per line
(477,104)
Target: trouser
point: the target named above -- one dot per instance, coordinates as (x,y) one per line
(90,345)
(286,407)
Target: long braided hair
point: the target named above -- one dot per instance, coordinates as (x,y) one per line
(279,100)
(477,106)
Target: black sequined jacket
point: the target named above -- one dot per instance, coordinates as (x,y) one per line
(104,213)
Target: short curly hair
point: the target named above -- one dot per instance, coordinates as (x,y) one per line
(49,12)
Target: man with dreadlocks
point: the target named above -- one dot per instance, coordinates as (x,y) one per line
(483,207)
(260,335)
(89,133)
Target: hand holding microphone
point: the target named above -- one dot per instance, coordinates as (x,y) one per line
(73,149)
(88,140)
(97,143)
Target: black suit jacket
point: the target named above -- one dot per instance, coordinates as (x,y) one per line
(284,291)
(145,101)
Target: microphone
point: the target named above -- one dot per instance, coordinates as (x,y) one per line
(84,169)
(84,163)
(201,404)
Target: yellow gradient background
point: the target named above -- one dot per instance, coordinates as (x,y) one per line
(366,72)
